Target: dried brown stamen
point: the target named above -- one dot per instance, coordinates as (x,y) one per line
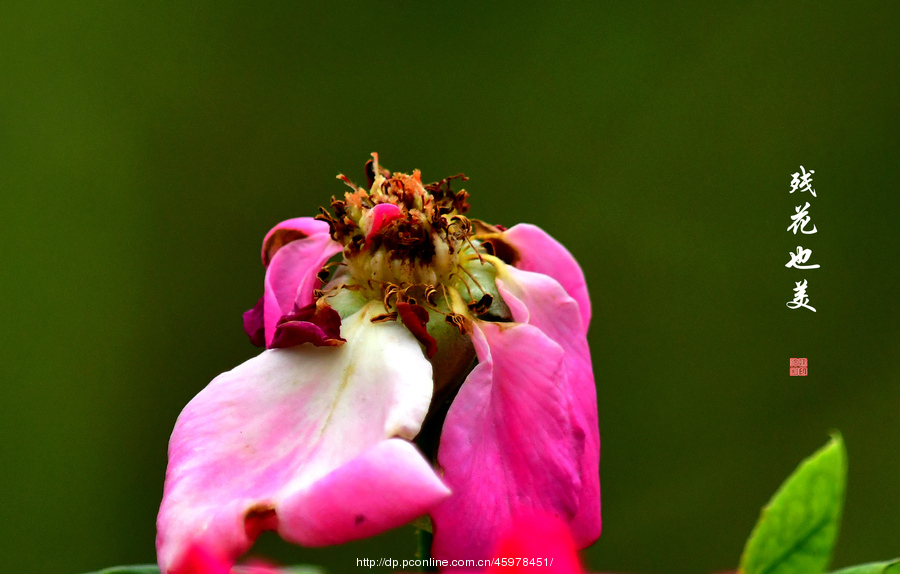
(461,322)
(482,305)
(385,317)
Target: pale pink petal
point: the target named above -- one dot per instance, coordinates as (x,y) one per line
(539,252)
(540,301)
(291,274)
(296,439)
(508,446)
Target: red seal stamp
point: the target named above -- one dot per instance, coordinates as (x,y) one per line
(799,367)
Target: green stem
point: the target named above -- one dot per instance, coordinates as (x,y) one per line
(423,549)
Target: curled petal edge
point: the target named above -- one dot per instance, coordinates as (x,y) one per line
(319,325)
(291,275)
(536,250)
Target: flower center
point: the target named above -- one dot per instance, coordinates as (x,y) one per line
(403,237)
(410,247)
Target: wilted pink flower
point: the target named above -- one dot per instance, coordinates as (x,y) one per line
(467,338)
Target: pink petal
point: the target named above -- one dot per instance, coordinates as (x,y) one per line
(291,275)
(540,301)
(363,496)
(304,440)
(199,560)
(380,216)
(254,323)
(539,252)
(538,537)
(508,446)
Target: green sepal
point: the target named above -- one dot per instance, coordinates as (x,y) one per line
(453,360)
(797,529)
(423,523)
(889,567)
(346,302)
(481,280)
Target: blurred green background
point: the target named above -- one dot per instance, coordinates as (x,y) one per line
(146,148)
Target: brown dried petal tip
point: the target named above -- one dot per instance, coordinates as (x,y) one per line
(501,249)
(278,239)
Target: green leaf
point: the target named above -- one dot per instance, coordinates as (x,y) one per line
(797,529)
(305,569)
(146,569)
(889,567)
(143,569)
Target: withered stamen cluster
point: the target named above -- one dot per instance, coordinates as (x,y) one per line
(407,254)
